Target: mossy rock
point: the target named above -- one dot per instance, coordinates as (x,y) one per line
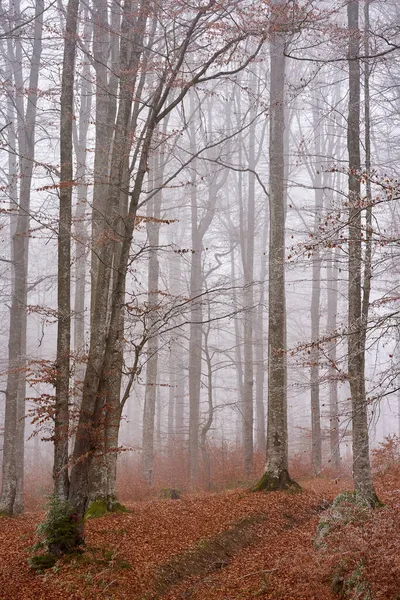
(357,499)
(350,585)
(272,483)
(42,562)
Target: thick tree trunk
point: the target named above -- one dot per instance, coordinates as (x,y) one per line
(112,266)
(276,474)
(356,351)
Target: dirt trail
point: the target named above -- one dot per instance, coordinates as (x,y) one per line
(127,553)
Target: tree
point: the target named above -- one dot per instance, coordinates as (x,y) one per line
(276,474)
(101,406)
(13,462)
(61,418)
(356,360)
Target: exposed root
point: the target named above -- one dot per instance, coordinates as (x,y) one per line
(272,483)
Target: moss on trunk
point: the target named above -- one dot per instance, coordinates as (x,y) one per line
(100,507)
(272,483)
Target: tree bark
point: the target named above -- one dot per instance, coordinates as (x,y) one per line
(276,474)
(356,352)
(316,441)
(334,439)
(153,236)
(12,499)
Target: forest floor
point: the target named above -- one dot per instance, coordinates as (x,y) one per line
(233,545)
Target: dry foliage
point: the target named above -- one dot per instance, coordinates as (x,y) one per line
(155,550)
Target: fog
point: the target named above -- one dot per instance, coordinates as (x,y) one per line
(195,266)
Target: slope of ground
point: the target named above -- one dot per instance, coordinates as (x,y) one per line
(228,546)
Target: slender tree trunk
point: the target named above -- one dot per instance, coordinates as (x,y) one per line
(81,238)
(356,356)
(316,440)
(332,277)
(210,412)
(259,349)
(195,335)
(248,324)
(61,429)
(153,236)
(12,499)
(238,346)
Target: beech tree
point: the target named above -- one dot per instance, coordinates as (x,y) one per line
(100,411)
(356,345)
(23,146)
(276,474)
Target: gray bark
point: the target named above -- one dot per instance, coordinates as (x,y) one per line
(332,277)
(12,499)
(61,426)
(276,474)
(356,350)
(153,236)
(316,440)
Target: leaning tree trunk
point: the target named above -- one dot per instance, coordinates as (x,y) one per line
(356,350)
(276,474)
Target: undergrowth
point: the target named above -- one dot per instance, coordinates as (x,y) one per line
(58,534)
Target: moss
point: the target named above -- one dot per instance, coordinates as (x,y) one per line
(357,499)
(271,483)
(96,509)
(353,585)
(99,508)
(117,507)
(42,562)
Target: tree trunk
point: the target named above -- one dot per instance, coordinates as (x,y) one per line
(61,428)
(80,138)
(316,440)
(105,335)
(276,474)
(12,500)
(153,237)
(356,355)
(248,293)
(259,349)
(332,277)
